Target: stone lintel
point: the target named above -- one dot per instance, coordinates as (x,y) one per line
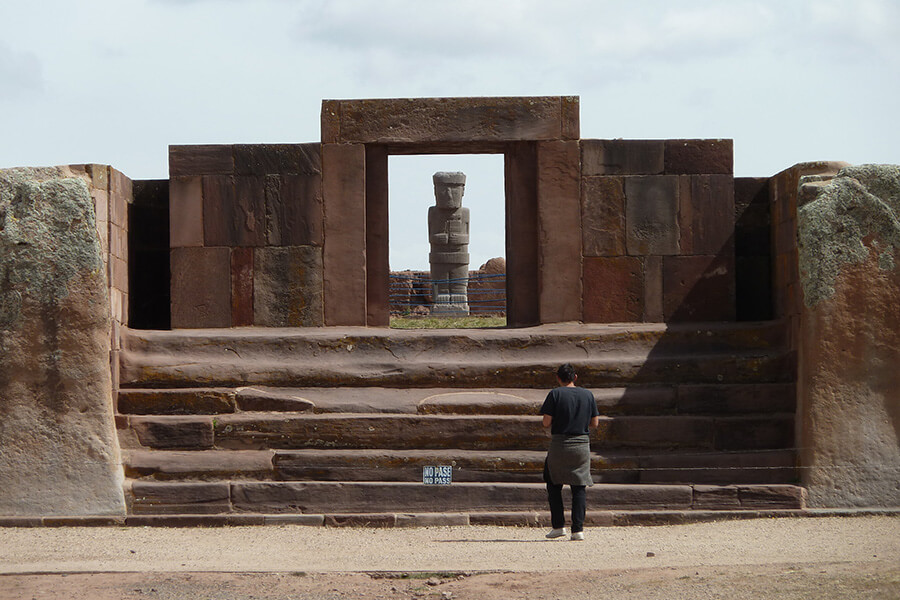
(442,120)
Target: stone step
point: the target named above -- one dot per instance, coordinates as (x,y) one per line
(625,466)
(634,400)
(317,497)
(606,355)
(258,431)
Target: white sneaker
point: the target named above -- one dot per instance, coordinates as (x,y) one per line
(578,535)
(556,533)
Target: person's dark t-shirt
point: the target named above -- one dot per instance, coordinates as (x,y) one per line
(571,408)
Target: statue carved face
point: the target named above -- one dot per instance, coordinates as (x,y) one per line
(449,195)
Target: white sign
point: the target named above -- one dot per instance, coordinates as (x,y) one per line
(441,475)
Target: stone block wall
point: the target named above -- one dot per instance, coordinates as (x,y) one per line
(658,226)
(112,194)
(246,235)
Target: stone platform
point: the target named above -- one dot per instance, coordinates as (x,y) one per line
(342,421)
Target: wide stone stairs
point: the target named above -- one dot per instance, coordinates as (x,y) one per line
(338,424)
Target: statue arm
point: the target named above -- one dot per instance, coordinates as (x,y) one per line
(462,237)
(434,235)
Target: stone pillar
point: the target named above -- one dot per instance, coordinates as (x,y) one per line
(344,195)
(559,231)
(849,336)
(520,165)
(59,454)
(378,268)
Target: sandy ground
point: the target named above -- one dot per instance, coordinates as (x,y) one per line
(817,558)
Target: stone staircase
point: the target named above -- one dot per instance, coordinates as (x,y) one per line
(337,424)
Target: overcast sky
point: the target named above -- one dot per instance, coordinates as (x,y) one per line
(118,81)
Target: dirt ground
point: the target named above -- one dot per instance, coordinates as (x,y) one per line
(795,582)
(814,558)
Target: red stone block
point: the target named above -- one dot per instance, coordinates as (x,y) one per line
(99,175)
(653,289)
(698,288)
(716,497)
(661,431)
(378,302)
(520,164)
(241,287)
(234,211)
(201,287)
(622,157)
(613,290)
(120,185)
(571,117)
(651,215)
(185,212)
(118,273)
(685,216)
(294,210)
(751,193)
(344,261)
(218,203)
(755,433)
(287,287)
(118,208)
(118,241)
(277,159)
(699,157)
(331,121)
(603,216)
(442,120)
(200,160)
(772,496)
(174,433)
(706,214)
(559,223)
(249,216)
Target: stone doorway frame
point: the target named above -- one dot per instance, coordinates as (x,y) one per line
(539,138)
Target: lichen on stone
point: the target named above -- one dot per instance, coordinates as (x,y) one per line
(860,205)
(47,237)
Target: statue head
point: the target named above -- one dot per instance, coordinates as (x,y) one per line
(449,188)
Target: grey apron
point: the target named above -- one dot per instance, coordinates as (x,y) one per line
(569,460)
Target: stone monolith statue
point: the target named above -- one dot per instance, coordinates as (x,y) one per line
(448,233)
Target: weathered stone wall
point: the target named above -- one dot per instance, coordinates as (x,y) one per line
(58,447)
(849,336)
(657,230)
(597,230)
(238,215)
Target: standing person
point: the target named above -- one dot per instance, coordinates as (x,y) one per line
(568,412)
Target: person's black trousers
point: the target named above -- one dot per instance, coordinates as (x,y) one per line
(557,511)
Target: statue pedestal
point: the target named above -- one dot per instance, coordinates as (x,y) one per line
(450,306)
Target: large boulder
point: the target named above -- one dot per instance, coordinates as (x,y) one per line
(58,449)
(849,369)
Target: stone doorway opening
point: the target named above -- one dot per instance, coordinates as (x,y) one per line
(411,197)
(538,138)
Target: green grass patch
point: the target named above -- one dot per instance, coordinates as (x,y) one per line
(471,322)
